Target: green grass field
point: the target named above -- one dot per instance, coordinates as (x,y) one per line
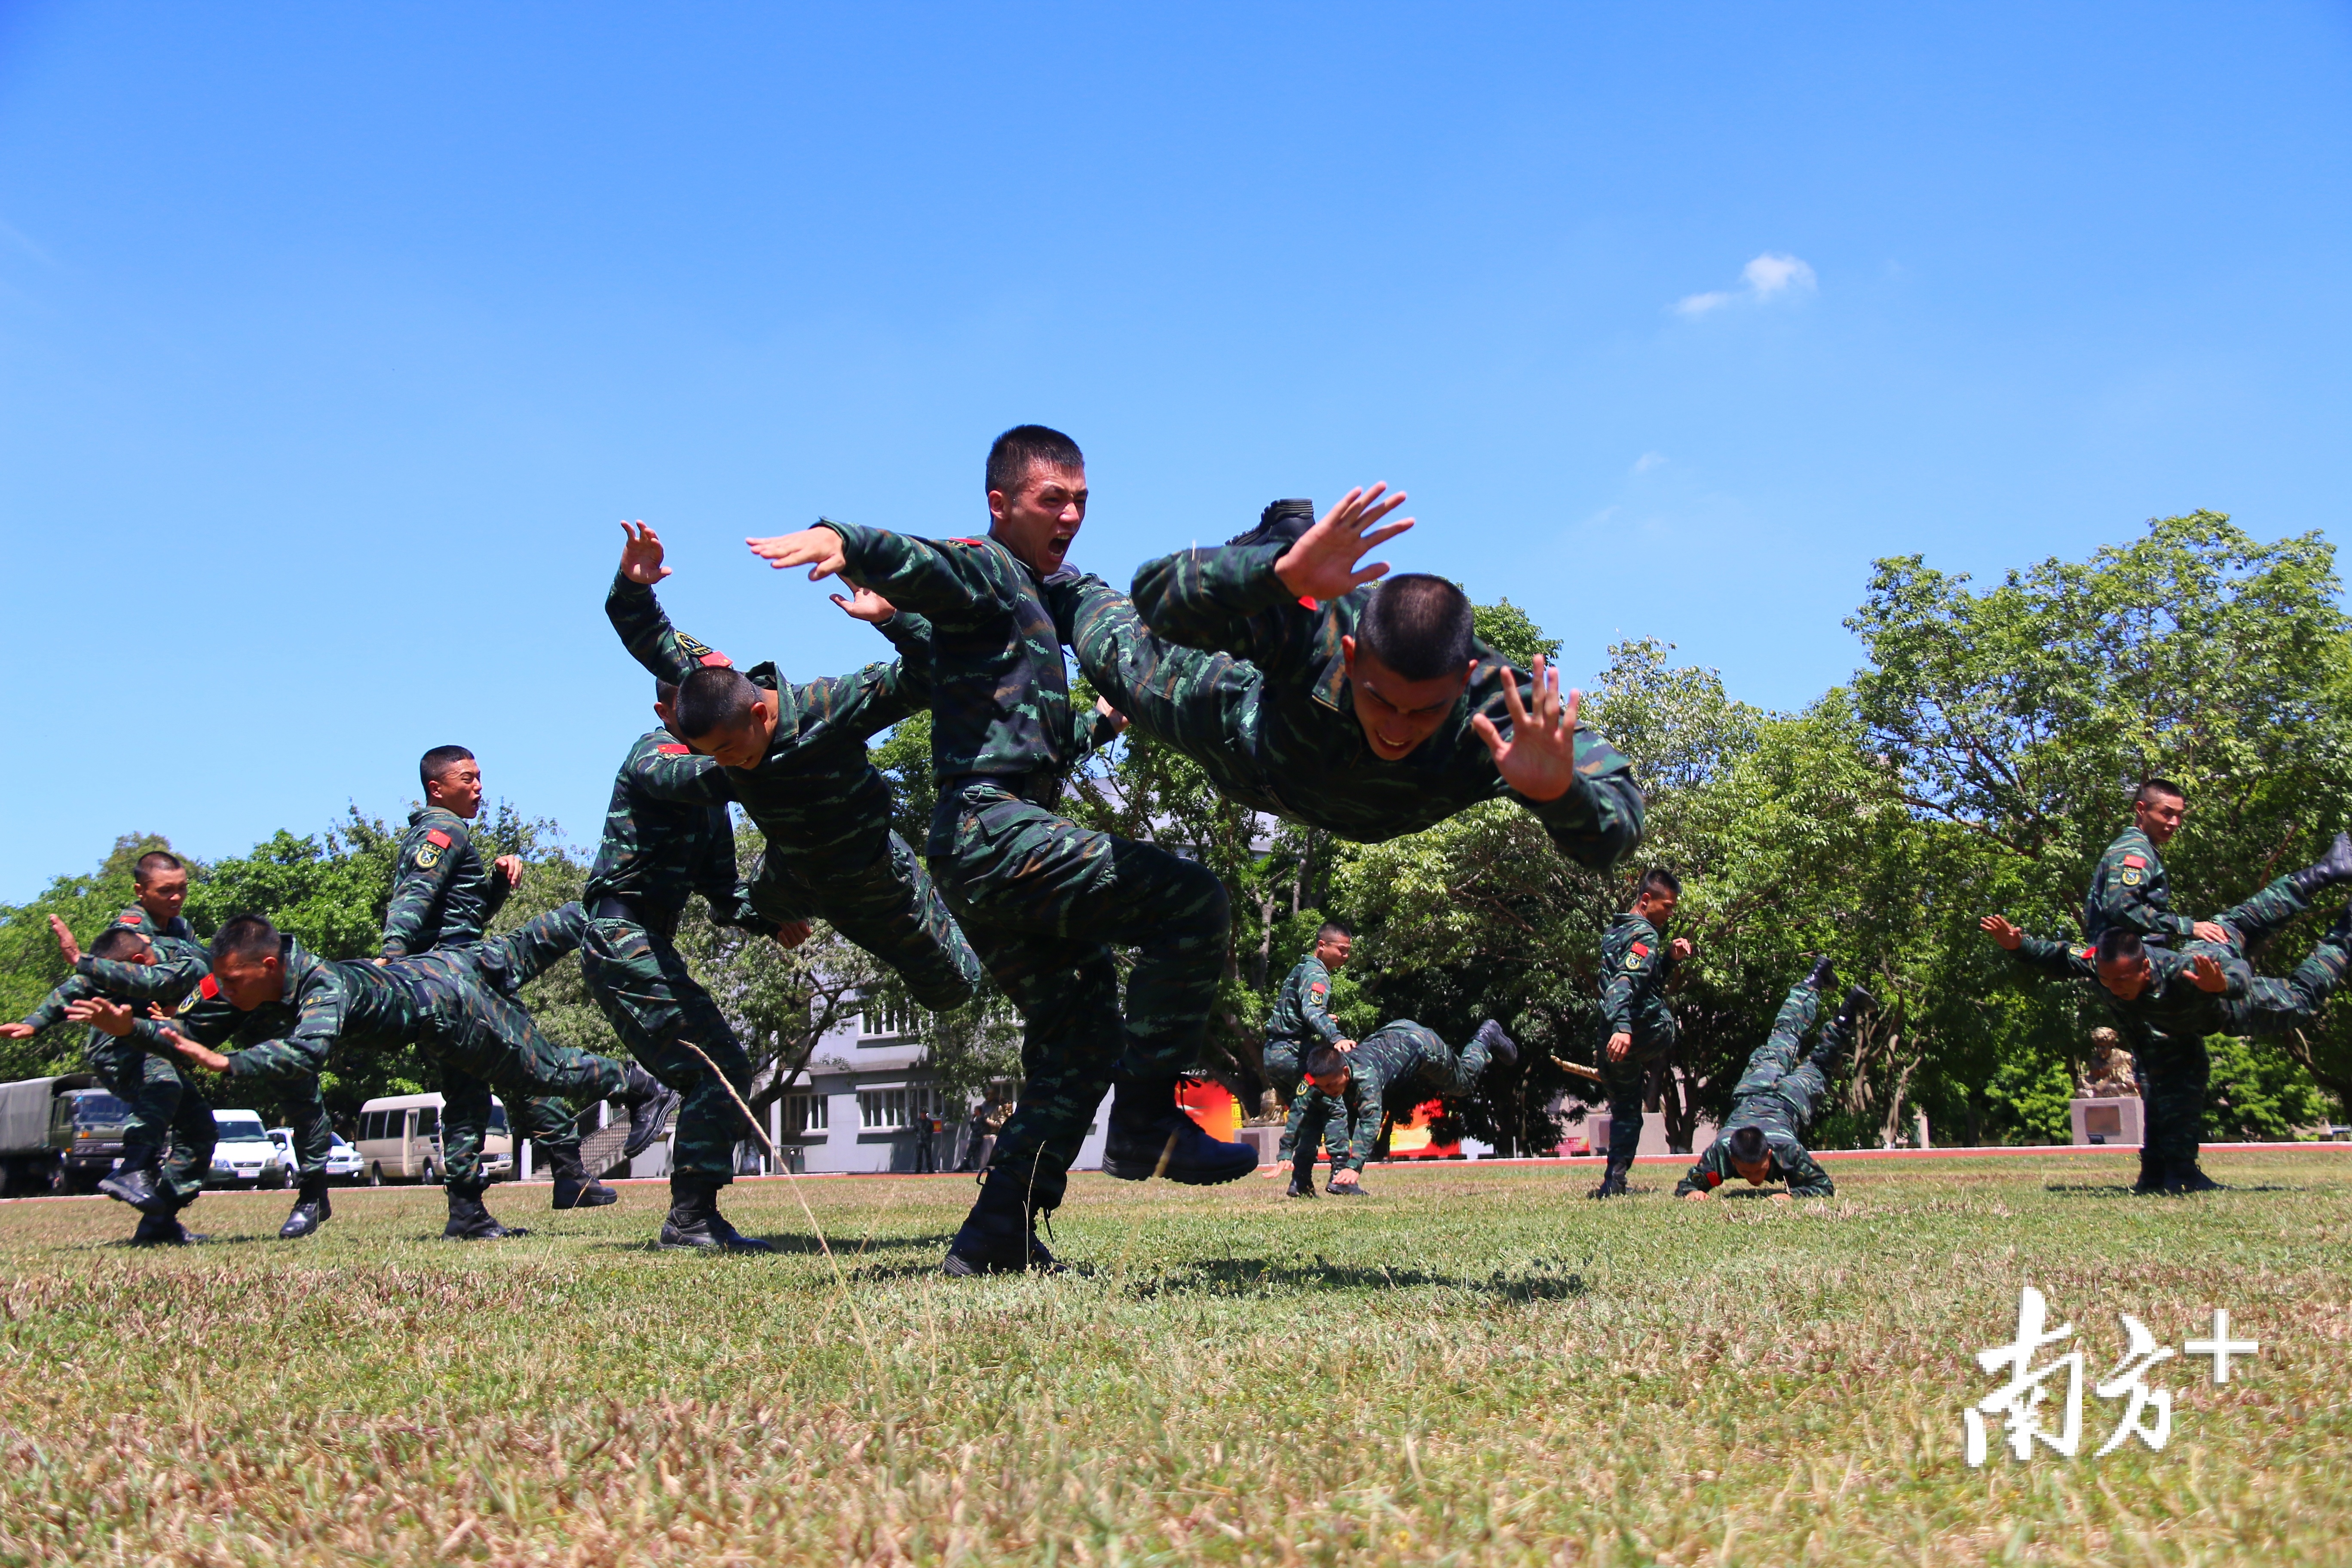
(1475,1365)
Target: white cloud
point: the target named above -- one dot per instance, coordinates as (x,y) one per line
(1768,277)
(1648,461)
(1768,274)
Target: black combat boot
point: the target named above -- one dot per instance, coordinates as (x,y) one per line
(695,1222)
(1302,1176)
(469,1221)
(1150,1135)
(1623,1140)
(575,1187)
(650,1101)
(163,1230)
(1354,1190)
(1501,1049)
(1000,1234)
(1856,999)
(1282,523)
(2182,1177)
(2329,869)
(136,1181)
(311,1209)
(1823,978)
(2151,1172)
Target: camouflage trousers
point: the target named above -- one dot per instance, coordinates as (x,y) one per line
(1200,703)
(166,1113)
(889,907)
(1043,900)
(1284,1064)
(2174,1072)
(1800,1078)
(294,1090)
(481,1039)
(1437,1069)
(653,1002)
(1626,1085)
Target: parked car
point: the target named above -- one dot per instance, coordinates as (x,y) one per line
(400,1140)
(244,1156)
(343,1160)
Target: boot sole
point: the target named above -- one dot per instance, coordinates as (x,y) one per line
(639,1142)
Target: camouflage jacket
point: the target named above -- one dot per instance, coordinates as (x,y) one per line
(1000,689)
(657,850)
(816,797)
(1309,759)
(2171,1008)
(181,964)
(1635,963)
(2130,889)
(1786,1156)
(1381,1073)
(1302,1011)
(324,1000)
(441,893)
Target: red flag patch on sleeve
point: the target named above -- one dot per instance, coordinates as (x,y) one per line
(1318,989)
(128,918)
(209,989)
(973,543)
(671,749)
(1714,1178)
(2135,862)
(434,835)
(1641,950)
(1307,601)
(714,659)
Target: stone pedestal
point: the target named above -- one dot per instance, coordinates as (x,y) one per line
(2120,1121)
(1265,1139)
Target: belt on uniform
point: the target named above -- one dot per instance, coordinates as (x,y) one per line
(1041,788)
(609,908)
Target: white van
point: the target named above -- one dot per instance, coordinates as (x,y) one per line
(400,1140)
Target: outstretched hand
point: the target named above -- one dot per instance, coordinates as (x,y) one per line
(2207,930)
(1539,759)
(107,1017)
(1118,720)
(66,943)
(1681,947)
(511,868)
(641,557)
(2206,975)
(818,549)
(210,1060)
(1322,565)
(2002,932)
(792,933)
(865,604)
(17,1031)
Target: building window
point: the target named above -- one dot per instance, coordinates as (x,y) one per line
(886,1017)
(886,1110)
(806,1113)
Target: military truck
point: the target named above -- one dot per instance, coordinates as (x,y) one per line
(57,1134)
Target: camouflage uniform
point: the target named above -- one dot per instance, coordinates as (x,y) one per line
(1301,1021)
(441,893)
(1248,682)
(655,853)
(1780,1096)
(2166,1023)
(1635,964)
(817,798)
(2128,889)
(1042,900)
(166,1113)
(438,1002)
(1393,1068)
(443,898)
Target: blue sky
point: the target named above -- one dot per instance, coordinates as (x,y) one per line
(334,340)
